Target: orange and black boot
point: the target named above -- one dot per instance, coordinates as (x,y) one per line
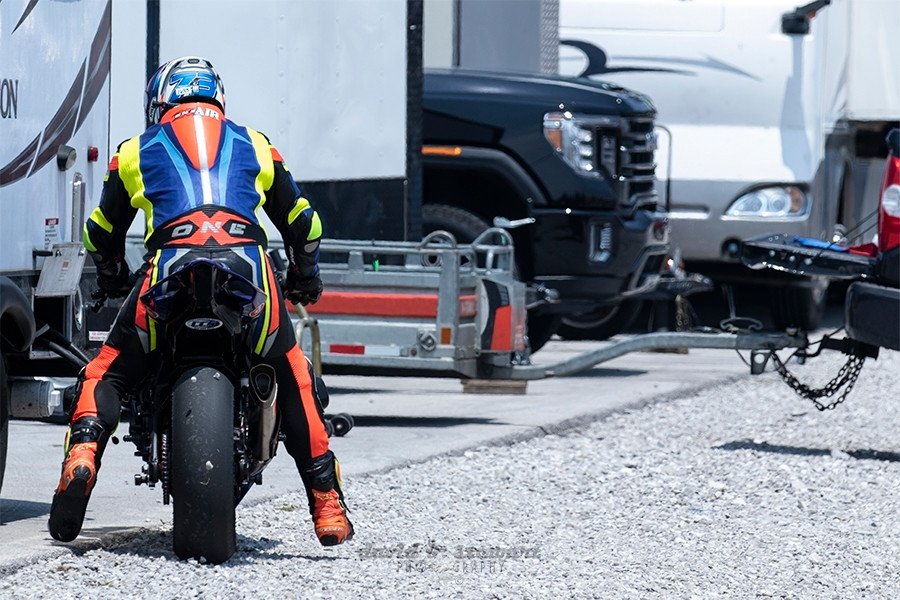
(85,442)
(326,501)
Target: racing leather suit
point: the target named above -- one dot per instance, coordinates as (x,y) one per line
(200,181)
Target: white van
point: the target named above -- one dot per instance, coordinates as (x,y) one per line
(772,118)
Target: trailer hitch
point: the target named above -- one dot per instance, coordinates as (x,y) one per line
(845,379)
(540,294)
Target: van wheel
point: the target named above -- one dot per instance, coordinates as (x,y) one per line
(601,323)
(465,227)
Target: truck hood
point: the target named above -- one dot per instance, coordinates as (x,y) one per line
(506,112)
(443,87)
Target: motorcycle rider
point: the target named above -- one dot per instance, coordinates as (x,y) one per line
(200,180)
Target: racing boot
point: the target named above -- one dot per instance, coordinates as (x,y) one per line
(326,500)
(87,438)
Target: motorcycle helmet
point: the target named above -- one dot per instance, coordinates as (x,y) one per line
(189,78)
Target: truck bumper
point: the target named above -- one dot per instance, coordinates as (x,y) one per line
(597,257)
(872,314)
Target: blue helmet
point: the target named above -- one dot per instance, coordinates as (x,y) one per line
(189,78)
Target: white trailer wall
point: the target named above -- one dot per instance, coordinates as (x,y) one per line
(326,81)
(53,92)
(873,59)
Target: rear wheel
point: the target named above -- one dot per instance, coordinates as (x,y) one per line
(601,323)
(202,456)
(465,227)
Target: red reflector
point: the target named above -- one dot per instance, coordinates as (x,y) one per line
(346,349)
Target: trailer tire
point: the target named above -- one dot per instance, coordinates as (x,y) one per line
(465,227)
(4,419)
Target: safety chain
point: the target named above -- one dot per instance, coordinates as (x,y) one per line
(683,320)
(847,376)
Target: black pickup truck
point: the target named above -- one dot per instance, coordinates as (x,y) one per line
(568,166)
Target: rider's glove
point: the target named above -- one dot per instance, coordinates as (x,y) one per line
(302,290)
(118,285)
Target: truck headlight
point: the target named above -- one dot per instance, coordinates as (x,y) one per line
(577,140)
(781,201)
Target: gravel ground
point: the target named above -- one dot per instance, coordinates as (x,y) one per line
(742,490)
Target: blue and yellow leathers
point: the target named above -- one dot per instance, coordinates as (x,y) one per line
(200,181)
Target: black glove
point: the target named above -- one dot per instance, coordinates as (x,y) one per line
(116,286)
(302,290)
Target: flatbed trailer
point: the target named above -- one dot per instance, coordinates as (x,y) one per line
(442,309)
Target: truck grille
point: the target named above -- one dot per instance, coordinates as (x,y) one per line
(626,153)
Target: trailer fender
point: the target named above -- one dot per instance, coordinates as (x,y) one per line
(16,317)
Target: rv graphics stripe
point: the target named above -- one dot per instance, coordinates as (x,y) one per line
(25,14)
(79,101)
(597,60)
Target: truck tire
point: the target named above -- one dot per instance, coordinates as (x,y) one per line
(801,307)
(601,323)
(203,471)
(465,227)
(4,419)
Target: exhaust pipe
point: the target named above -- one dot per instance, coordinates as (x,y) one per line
(263,419)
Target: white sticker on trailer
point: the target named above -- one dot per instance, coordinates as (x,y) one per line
(51,232)
(382,351)
(98,336)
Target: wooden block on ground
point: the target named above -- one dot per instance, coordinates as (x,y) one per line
(494,386)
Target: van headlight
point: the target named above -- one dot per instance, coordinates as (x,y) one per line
(781,201)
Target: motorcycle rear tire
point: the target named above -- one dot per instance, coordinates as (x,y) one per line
(202,459)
